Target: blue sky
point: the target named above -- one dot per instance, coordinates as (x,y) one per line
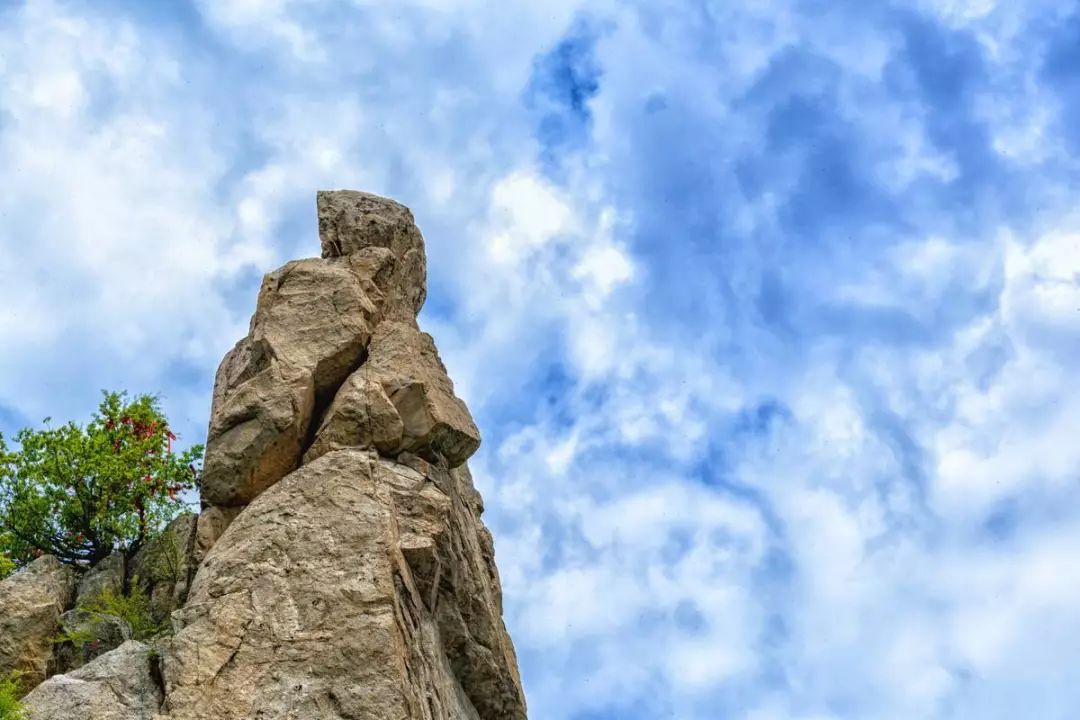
(769,312)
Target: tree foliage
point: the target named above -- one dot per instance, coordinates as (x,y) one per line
(83,492)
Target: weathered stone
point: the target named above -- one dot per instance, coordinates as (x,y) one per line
(315,315)
(353,223)
(98,634)
(309,606)
(361,416)
(468,603)
(311,324)
(256,433)
(407,365)
(165,566)
(31,602)
(118,685)
(107,575)
(211,525)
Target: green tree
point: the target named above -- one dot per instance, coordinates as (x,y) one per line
(83,492)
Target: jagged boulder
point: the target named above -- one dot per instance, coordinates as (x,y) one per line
(107,575)
(353,223)
(119,685)
(257,430)
(312,322)
(31,603)
(361,416)
(434,422)
(309,607)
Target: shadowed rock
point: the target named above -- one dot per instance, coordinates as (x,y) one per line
(361,416)
(118,685)
(31,603)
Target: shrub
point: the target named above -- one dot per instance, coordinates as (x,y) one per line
(83,492)
(10,707)
(134,609)
(7,565)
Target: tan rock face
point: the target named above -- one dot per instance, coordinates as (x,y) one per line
(351,222)
(311,325)
(344,570)
(407,365)
(31,603)
(118,685)
(330,596)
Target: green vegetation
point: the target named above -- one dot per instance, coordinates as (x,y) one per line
(7,565)
(10,707)
(83,492)
(133,608)
(164,560)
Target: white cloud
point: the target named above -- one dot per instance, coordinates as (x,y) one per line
(112,235)
(893,543)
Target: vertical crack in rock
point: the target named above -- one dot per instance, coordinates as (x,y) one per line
(337,502)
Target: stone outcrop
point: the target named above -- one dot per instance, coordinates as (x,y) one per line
(311,328)
(31,603)
(339,568)
(119,685)
(353,588)
(399,400)
(345,571)
(382,235)
(165,567)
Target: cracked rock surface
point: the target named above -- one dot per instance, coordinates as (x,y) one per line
(345,571)
(119,685)
(31,604)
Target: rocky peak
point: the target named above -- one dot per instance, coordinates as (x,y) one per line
(343,570)
(356,577)
(366,225)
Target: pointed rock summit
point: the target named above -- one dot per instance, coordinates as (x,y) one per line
(357,579)
(343,570)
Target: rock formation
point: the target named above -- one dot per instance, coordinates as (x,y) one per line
(119,685)
(339,568)
(31,604)
(347,573)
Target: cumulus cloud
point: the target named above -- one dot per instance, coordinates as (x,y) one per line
(767,311)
